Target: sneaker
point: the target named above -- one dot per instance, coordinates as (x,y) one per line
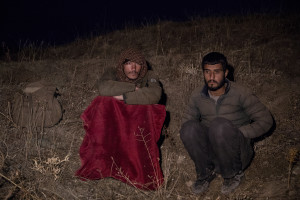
(201,185)
(230,184)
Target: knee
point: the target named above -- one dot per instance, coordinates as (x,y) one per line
(219,126)
(189,129)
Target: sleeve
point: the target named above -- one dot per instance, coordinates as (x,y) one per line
(191,112)
(108,85)
(150,94)
(261,118)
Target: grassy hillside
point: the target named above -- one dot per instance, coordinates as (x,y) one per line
(264,52)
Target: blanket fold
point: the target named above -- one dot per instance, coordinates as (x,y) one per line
(121,142)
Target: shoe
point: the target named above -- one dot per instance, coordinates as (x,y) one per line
(201,185)
(230,184)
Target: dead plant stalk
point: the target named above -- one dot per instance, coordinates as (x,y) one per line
(21,188)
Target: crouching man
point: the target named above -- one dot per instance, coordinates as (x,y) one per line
(217,127)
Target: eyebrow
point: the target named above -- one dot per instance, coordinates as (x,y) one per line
(125,61)
(213,69)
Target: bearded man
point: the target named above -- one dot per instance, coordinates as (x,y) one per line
(219,124)
(131,81)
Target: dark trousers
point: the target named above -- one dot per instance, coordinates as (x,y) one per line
(221,147)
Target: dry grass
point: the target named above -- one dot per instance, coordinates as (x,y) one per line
(264,51)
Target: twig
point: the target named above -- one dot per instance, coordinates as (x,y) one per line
(9,119)
(46,189)
(121,174)
(155,170)
(10,193)
(21,188)
(293,153)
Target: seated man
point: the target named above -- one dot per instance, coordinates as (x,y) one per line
(121,138)
(220,120)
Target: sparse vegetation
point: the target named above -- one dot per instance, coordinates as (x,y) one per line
(264,51)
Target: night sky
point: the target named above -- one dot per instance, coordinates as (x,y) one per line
(62,21)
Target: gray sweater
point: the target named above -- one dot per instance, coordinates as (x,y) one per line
(238,104)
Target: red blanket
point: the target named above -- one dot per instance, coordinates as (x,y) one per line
(121,142)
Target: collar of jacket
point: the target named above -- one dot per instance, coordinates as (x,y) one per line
(205,89)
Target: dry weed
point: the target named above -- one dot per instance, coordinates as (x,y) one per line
(52,166)
(292,159)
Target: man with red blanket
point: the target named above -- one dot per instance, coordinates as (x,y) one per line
(123,125)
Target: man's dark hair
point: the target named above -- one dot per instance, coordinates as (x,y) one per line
(215,58)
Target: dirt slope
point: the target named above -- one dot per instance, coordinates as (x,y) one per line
(264,51)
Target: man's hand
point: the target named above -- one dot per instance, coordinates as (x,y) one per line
(119,97)
(136,88)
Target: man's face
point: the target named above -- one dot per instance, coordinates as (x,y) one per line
(214,76)
(132,70)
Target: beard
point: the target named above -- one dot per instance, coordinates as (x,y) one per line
(219,85)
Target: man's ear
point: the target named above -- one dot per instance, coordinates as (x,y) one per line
(226,72)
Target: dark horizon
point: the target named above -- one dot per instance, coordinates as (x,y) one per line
(56,22)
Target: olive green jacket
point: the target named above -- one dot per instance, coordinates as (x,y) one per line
(149,93)
(238,104)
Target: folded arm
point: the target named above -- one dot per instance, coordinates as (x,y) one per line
(150,94)
(129,92)
(108,85)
